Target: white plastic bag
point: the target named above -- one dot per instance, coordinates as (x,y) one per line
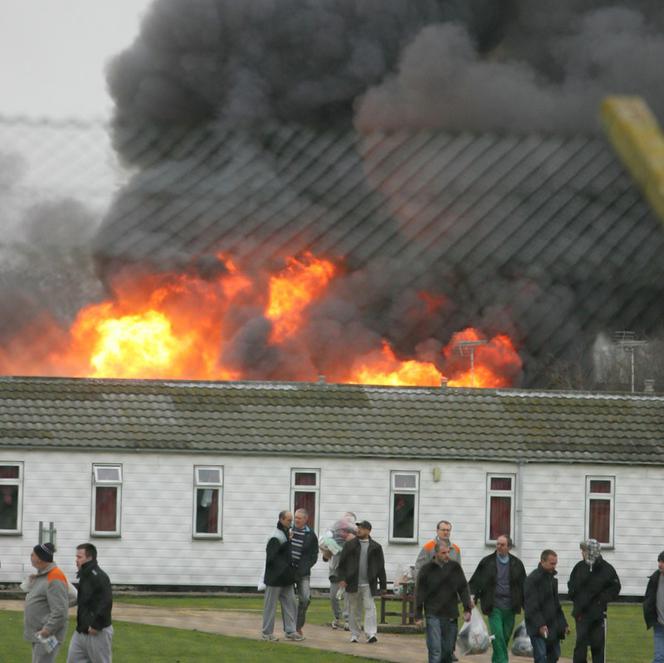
(521,644)
(473,638)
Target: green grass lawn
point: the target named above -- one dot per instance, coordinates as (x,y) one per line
(628,640)
(136,643)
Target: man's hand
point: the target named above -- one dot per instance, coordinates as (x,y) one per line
(466,616)
(92,631)
(566,630)
(418,623)
(44,633)
(544,631)
(343,584)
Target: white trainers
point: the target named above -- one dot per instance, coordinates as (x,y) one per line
(270,637)
(353,638)
(294,636)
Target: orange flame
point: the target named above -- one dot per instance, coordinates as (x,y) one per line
(496,363)
(175,326)
(292,290)
(383,368)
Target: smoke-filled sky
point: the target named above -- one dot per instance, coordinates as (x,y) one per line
(200,68)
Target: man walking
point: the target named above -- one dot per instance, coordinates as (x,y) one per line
(46,605)
(498,584)
(279,579)
(441,585)
(92,641)
(427,552)
(304,554)
(331,545)
(592,584)
(653,608)
(361,570)
(545,622)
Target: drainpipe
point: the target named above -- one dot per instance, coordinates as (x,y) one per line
(518,511)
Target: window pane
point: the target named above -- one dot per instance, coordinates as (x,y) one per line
(209,475)
(207,511)
(9,507)
(403,516)
(501,483)
(305,478)
(405,481)
(302,500)
(8,471)
(600,518)
(108,473)
(105,508)
(600,486)
(500,519)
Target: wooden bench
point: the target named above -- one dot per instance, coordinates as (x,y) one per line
(406,611)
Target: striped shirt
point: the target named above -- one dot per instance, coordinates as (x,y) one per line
(297,539)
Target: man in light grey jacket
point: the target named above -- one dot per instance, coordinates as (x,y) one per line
(46,605)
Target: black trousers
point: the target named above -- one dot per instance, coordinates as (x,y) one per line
(589,634)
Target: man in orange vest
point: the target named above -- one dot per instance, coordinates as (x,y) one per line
(427,553)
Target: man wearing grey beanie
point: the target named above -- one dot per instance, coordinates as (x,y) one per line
(46,605)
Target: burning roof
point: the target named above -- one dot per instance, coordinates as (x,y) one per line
(312,193)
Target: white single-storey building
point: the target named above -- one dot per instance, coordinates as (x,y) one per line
(179,483)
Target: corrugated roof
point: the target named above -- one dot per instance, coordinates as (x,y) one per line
(330,420)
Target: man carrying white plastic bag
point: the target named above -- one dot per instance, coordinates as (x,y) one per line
(441,585)
(473,637)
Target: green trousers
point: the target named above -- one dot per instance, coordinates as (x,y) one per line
(501,625)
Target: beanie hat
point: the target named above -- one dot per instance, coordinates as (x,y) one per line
(44,551)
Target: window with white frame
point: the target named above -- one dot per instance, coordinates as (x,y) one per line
(11,496)
(305,493)
(106,500)
(600,495)
(208,487)
(499,506)
(404,506)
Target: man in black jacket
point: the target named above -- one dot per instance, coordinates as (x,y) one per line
(653,608)
(304,554)
(92,642)
(545,622)
(441,584)
(592,584)
(498,585)
(279,579)
(361,570)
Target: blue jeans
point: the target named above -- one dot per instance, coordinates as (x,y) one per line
(658,631)
(545,650)
(441,638)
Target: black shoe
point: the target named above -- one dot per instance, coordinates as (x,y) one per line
(372,639)
(454,658)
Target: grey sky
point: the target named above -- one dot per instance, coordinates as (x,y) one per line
(52,54)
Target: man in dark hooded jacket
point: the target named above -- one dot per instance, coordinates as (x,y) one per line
(592,584)
(545,622)
(653,608)
(279,579)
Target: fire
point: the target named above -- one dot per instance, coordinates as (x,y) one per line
(495,363)
(382,367)
(179,326)
(292,290)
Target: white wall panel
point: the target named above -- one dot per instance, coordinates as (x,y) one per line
(156,546)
